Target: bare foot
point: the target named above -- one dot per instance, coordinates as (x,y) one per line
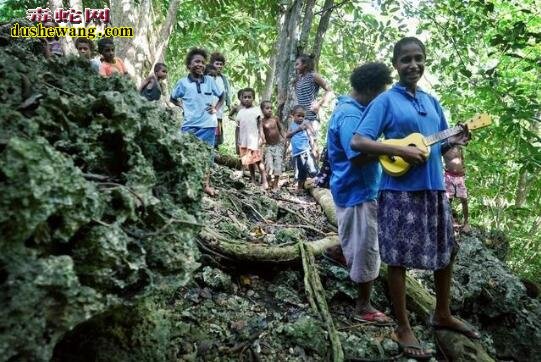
(265,186)
(466,228)
(210,191)
(454,324)
(409,345)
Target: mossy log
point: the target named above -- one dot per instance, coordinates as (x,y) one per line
(325,200)
(228,161)
(243,251)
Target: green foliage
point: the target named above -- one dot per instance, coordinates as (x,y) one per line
(244,31)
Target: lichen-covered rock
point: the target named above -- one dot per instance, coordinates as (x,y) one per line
(100,202)
(489,295)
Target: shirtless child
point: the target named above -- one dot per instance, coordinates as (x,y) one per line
(272,136)
(454,181)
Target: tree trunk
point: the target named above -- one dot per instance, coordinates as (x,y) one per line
(287,52)
(165,33)
(522,188)
(269,79)
(322,29)
(134,51)
(306,26)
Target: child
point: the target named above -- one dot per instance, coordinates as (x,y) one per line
(454,181)
(151,87)
(109,63)
(51,45)
(307,84)
(234,110)
(85,47)
(354,187)
(197,92)
(272,136)
(303,148)
(249,136)
(217,60)
(414,223)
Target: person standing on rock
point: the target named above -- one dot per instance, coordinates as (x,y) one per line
(195,94)
(307,84)
(354,185)
(414,219)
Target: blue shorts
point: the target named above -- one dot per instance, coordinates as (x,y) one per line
(207,135)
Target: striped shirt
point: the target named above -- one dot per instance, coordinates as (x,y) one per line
(306,89)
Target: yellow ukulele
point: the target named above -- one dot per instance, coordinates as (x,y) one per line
(397,166)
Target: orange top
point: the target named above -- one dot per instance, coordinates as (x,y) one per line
(108,69)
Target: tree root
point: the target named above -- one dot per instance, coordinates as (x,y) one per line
(316,298)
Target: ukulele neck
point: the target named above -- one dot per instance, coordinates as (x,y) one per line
(440,136)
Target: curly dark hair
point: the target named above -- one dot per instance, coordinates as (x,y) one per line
(297,108)
(307,60)
(250,90)
(159,66)
(370,77)
(217,56)
(262,104)
(103,42)
(85,41)
(193,52)
(405,41)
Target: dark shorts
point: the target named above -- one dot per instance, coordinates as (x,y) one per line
(415,229)
(305,165)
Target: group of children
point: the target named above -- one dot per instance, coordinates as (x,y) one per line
(258,129)
(107,65)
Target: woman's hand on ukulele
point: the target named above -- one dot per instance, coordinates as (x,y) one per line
(412,155)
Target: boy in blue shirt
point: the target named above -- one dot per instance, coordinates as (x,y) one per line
(303,147)
(354,185)
(197,92)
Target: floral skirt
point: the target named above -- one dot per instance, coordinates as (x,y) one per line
(415,229)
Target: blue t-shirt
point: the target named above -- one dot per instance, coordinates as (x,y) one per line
(196,97)
(396,114)
(350,185)
(300,142)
